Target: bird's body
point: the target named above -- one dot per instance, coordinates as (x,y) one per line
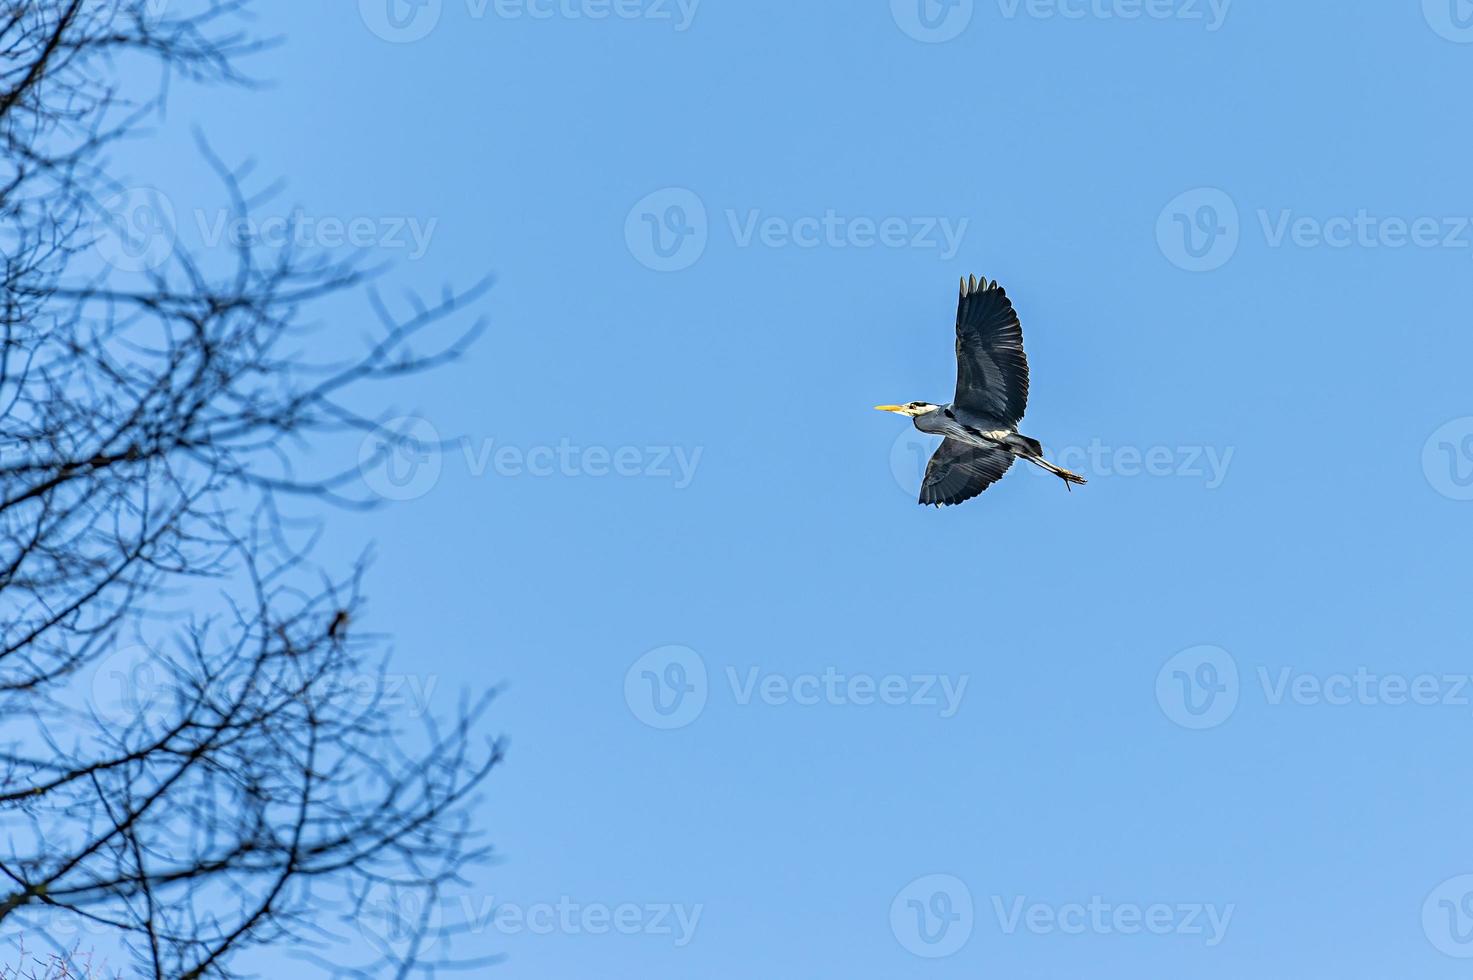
(980,425)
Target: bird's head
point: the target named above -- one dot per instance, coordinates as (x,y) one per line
(911,409)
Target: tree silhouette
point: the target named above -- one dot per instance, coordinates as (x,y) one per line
(189,764)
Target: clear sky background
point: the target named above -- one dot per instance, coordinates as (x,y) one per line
(1239,243)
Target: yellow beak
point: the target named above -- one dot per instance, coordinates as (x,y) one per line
(887,408)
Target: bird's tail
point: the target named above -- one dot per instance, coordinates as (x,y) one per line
(1070,479)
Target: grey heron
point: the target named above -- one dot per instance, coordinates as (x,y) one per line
(980,425)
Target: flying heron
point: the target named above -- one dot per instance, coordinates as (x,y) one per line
(981,423)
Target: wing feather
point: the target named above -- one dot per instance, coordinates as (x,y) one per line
(991,368)
(959,471)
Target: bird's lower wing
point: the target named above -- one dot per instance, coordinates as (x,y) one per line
(959,472)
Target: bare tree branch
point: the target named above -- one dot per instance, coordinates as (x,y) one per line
(152,421)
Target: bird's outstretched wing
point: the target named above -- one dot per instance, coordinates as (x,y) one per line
(991,368)
(959,472)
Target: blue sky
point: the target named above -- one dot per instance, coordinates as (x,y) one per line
(1206,716)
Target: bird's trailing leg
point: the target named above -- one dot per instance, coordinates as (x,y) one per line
(1069,478)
